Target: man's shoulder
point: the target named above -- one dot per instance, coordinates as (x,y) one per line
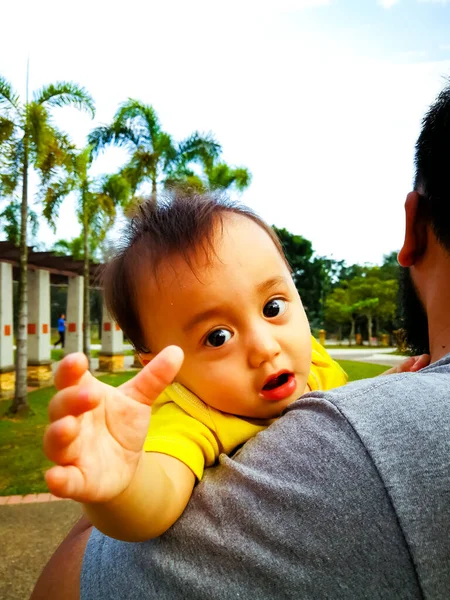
(426,386)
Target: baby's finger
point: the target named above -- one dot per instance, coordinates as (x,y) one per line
(73,401)
(59,438)
(65,482)
(155,377)
(71,370)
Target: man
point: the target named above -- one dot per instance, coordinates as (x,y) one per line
(61,331)
(345,496)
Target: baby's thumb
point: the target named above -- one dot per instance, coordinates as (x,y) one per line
(155,377)
(71,371)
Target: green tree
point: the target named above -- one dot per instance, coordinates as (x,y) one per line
(10,222)
(29,139)
(340,308)
(96,211)
(314,276)
(154,156)
(204,152)
(375,298)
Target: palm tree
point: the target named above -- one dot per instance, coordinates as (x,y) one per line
(96,211)
(216,175)
(10,222)
(154,156)
(28,138)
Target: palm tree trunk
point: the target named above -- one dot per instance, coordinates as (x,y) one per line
(86,297)
(154,190)
(20,403)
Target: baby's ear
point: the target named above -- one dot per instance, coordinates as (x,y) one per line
(146,358)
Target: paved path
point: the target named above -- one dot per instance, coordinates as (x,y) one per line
(380,356)
(29,534)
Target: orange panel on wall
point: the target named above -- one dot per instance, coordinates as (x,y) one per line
(31,328)
(7,330)
(44,327)
(72,327)
(107,326)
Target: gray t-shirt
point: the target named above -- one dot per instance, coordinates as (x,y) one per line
(347,495)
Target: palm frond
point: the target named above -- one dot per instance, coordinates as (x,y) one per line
(8,96)
(222,176)
(144,113)
(38,127)
(11,157)
(66,94)
(54,195)
(52,151)
(189,183)
(7,128)
(10,222)
(201,148)
(117,188)
(101,137)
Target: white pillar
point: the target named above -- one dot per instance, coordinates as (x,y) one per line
(39,359)
(74,317)
(38,316)
(7,370)
(111,357)
(6,316)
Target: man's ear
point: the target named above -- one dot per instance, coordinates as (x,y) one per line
(415,232)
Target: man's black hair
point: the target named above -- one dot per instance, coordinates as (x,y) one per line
(432,162)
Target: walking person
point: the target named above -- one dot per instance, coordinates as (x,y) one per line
(61,331)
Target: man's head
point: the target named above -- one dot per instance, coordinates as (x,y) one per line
(425,254)
(211,277)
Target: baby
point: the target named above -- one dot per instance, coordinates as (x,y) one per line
(204,292)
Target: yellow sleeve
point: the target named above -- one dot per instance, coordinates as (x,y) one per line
(174,432)
(325,372)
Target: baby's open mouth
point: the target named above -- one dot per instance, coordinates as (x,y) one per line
(277,381)
(279,386)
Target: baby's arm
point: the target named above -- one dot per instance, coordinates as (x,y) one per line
(96,439)
(157,495)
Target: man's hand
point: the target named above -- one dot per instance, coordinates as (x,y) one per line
(96,431)
(410,365)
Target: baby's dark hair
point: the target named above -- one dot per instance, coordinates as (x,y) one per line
(180,223)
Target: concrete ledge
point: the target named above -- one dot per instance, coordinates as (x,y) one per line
(111,363)
(39,375)
(7,383)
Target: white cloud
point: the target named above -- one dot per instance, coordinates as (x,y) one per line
(444,47)
(387,3)
(412,55)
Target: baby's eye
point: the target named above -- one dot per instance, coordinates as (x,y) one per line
(274,307)
(217,338)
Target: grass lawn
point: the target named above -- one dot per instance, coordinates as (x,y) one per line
(58,354)
(358,370)
(22,461)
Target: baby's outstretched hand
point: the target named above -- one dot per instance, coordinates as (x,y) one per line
(96,431)
(410,365)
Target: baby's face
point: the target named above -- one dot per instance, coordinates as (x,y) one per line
(239,320)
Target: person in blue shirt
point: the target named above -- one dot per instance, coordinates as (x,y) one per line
(61,331)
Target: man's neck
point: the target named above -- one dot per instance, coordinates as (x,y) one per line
(436,295)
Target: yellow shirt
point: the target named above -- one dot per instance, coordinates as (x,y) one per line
(184,427)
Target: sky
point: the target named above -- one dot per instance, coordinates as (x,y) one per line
(321,100)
